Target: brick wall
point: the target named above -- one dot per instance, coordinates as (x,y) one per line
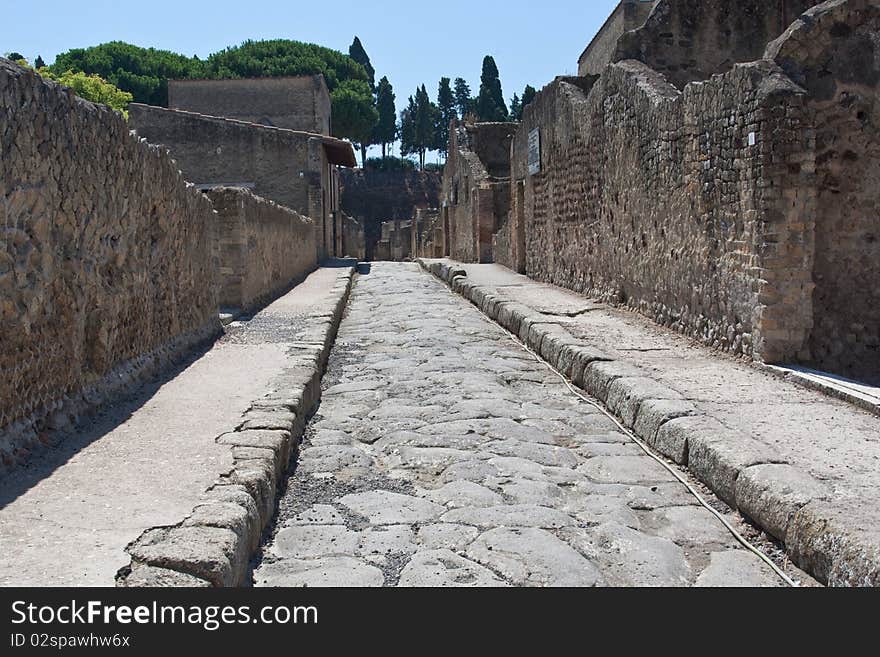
(264,248)
(106,256)
(834,53)
(689,40)
(694,208)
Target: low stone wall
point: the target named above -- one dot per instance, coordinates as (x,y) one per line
(106,257)
(264,248)
(693,207)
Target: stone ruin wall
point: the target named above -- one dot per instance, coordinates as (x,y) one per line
(476,188)
(106,257)
(294,103)
(834,53)
(373,197)
(264,248)
(691,40)
(692,207)
(217,151)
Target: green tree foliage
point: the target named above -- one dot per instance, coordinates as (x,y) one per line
(90,87)
(418,123)
(528,95)
(354,113)
(446,113)
(463,100)
(93,88)
(490,101)
(386,129)
(39,63)
(515,108)
(143,72)
(357,53)
(517,105)
(281,57)
(15,56)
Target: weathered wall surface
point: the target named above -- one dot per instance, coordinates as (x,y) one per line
(476,188)
(694,208)
(353,241)
(628,15)
(106,255)
(690,40)
(288,167)
(217,151)
(373,197)
(295,103)
(834,53)
(264,248)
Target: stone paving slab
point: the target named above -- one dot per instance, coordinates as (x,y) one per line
(67,519)
(443,454)
(803,465)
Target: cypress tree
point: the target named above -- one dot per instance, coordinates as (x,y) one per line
(490,102)
(357,53)
(386,130)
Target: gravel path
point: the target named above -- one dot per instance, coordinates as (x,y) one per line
(443,454)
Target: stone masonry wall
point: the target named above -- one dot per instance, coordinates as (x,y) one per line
(628,15)
(264,248)
(694,208)
(834,53)
(373,197)
(216,151)
(295,103)
(106,257)
(690,40)
(476,188)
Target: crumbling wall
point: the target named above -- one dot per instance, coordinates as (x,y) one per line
(353,241)
(694,208)
(476,188)
(834,53)
(628,15)
(264,248)
(690,40)
(106,257)
(373,197)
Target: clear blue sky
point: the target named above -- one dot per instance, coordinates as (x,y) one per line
(411,42)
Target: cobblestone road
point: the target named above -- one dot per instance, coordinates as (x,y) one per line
(443,454)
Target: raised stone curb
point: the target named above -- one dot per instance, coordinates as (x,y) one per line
(214,544)
(787,503)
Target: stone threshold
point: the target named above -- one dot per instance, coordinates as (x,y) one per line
(214,545)
(783,500)
(864,396)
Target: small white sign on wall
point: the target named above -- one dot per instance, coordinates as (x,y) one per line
(535,151)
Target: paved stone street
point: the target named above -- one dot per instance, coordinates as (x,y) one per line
(443,454)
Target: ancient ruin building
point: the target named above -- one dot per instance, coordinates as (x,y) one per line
(294,103)
(296,169)
(374,196)
(476,188)
(428,239)
(719,174)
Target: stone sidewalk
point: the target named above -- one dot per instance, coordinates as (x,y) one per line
(804,466)
(67,519)
(444,454)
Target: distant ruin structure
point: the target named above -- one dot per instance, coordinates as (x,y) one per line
(294,103)
(715,167)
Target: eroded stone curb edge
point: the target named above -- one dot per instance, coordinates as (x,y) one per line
(213,546)
(783,500)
